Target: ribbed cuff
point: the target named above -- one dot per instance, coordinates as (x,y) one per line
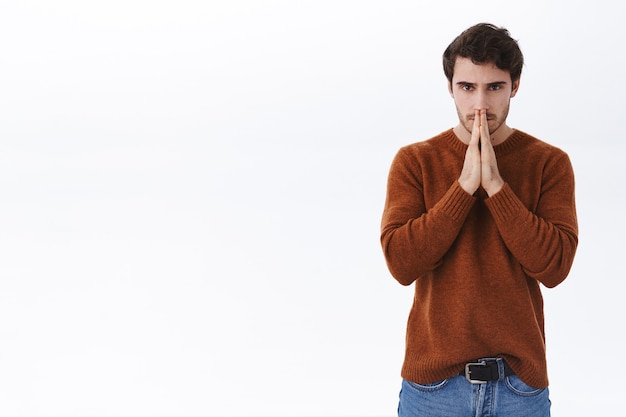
(505,205)
(457,203)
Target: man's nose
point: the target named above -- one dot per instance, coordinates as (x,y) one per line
(481,102)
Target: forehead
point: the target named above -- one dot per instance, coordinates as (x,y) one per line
(466,71)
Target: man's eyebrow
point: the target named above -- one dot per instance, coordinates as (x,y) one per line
(470,83)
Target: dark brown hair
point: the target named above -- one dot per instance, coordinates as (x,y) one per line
(485,43)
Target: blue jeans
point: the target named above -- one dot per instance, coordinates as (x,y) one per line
(457,397)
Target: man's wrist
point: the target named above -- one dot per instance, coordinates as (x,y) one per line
(470,189)
(495,187)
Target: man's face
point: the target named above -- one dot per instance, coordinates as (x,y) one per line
(481,87)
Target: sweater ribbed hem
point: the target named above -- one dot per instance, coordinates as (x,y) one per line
(427,371)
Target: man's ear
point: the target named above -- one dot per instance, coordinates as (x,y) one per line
(515,88)
(450,89)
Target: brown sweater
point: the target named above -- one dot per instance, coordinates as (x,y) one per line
(476,261)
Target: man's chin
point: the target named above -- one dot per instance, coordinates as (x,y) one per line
(493,126)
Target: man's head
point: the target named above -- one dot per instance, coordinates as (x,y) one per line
(485,43)
(483,66)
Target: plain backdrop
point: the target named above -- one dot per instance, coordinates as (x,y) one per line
(191,191)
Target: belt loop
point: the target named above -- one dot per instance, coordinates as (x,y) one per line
(501,374)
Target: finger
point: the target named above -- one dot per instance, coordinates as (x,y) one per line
(484,126)
(474,140)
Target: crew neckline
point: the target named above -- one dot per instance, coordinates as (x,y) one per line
(508,145)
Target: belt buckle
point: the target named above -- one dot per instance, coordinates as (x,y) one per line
(468,372)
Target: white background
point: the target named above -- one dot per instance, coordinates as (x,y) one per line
(190,198)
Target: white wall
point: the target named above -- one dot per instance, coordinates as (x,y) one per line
(190,196)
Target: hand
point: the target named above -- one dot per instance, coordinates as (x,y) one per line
(470,174)
(480,167)
(490,178)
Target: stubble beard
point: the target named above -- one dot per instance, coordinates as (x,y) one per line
(493,121)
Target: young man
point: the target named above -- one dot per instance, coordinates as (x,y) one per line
(478,217)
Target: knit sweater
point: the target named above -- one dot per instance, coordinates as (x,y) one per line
(477,261)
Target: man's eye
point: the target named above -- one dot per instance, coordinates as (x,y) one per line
(495,87)
(466,87)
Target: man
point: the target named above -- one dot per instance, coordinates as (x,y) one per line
(478,217)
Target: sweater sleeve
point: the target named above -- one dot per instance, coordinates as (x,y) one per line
(414,239)
(544,241)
